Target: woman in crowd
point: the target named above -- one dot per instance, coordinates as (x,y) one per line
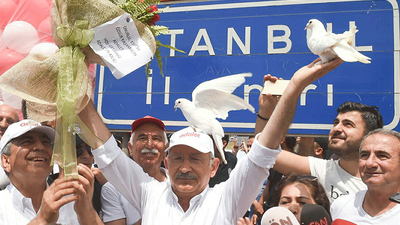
(294,191)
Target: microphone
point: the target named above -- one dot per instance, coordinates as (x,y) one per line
(313,214)
(278,216)
(342,222)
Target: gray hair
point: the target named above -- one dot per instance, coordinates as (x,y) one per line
(382,131)
(211,158)
(7,151)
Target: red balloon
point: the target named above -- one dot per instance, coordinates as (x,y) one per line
(32,11)
(7,10)
(8,58)
(44,31)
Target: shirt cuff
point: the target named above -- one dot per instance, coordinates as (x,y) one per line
(106,153)
(262,156)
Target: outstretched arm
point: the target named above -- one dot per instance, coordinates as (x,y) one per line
(282,116)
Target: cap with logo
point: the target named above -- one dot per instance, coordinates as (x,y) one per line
(19,128)
(189,137)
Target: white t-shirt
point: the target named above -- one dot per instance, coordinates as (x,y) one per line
(115,206)
(158,204)
(334,178)
(17,209)
(350,208)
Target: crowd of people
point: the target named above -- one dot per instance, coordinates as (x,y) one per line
(182,179)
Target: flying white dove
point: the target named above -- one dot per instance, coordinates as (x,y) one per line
(329,45)
(213,99)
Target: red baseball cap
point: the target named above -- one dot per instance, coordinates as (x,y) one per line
(147,119)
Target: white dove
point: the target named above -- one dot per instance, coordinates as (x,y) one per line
(213,99)
(329,45)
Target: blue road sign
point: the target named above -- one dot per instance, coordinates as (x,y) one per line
(226,37)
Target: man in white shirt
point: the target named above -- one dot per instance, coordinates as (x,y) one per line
(379,167)
(26,151)
(146,147)
(187,199)
(339,177)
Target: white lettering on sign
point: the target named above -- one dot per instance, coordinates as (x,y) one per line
(245,48)
(173,34)
(284,38)
(274,36)
(329,95)
(202,34)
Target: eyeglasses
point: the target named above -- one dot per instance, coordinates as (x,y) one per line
(79,151)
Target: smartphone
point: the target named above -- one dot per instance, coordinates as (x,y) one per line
(275,88)
(395,198)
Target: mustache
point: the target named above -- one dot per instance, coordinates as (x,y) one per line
(152,151)
(188,176)
(337,135)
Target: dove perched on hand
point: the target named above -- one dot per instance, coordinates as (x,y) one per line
(213,99)
(329,45)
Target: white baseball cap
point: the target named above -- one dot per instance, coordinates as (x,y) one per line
(197,140)
(19,128)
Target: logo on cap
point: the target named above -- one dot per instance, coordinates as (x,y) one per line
(29,123)
(190,134)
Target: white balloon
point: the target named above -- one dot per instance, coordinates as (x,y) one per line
(45,48)
(20,36)
(12,100)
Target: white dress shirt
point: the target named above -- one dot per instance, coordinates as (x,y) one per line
(158,204)
(115,206)
(17,209)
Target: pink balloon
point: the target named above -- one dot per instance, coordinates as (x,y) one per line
(32,11)
(44,31)
(8,58)
(7,10)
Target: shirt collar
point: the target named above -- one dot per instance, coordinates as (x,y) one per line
(195,199)
(20,201)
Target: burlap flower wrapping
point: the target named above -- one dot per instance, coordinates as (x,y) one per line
(59,86)
(34,78)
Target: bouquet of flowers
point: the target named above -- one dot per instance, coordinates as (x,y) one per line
(58,86)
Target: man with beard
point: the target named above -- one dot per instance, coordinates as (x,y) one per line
(339,177)
(146,147)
